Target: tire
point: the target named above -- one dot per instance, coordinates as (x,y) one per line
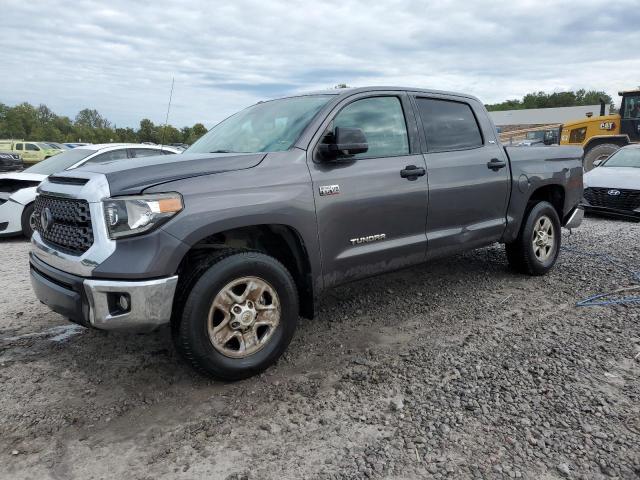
(523,254)
(25,221)
(599,152)
(207,315)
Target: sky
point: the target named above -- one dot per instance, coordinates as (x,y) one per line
(119,56)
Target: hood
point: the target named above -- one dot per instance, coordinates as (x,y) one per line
(23,176)
(134,175)
(627,178)
(10,183)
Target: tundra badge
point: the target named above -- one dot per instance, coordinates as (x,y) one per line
(329,190)
(370,238)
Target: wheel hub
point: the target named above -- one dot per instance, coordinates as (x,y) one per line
(243,316)
(543,238)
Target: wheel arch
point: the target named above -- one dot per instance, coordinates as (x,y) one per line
(553,193)
(620,140)
(280,241)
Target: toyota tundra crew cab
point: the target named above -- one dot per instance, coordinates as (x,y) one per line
(233,240)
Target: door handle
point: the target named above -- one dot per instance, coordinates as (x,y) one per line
(496,164)
(411,172)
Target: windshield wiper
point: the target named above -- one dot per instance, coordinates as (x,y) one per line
(222,151)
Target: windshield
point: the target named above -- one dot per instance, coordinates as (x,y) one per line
(627,157)
(60,162)
(537,135)
(265,127)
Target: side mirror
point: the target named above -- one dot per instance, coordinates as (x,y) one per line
(598,162)
(343,142)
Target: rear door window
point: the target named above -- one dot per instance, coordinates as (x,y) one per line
(448,125)
(143,152)
(19,146)
(109,156)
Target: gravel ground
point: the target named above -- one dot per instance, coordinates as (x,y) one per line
(457,369)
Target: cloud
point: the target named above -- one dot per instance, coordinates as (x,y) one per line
(119,56)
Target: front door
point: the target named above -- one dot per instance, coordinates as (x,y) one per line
(370,218)
(31,153)
(469,176)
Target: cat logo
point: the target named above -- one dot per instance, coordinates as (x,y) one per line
(607,125)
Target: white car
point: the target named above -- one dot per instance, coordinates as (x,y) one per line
(613,187)
(18,190)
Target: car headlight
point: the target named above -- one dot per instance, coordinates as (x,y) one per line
(128,216)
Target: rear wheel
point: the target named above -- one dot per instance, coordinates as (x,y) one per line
(239,316)
(536,249)
(28,220)
(599,152)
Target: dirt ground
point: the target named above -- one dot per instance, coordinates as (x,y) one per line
(456,369)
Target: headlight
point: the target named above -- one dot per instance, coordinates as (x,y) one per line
(127,216)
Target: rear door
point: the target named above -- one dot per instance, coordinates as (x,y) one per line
(469,176)
(370,218)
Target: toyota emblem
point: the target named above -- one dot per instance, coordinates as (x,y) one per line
(46,219)
(613,193)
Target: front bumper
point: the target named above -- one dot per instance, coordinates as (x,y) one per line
(10,218)
(97,303)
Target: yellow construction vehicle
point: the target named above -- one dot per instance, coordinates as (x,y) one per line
(602,135)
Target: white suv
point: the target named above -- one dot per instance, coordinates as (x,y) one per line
(18,190)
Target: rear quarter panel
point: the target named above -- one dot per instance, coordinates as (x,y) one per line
(536,167)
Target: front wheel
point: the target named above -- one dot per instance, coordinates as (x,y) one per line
(536,249)
(28,222)
(599,152)
(239,316)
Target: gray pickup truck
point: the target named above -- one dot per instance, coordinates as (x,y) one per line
(236,238)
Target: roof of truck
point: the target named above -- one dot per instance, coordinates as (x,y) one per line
(354,90)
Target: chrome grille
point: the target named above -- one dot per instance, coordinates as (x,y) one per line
(600,197)
(69,227)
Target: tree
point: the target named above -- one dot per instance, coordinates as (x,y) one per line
(197,131)
(92,119)
(148,131)
(551,100)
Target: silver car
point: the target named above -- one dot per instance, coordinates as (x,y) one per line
(613,188)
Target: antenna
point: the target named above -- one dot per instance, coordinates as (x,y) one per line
(166,120)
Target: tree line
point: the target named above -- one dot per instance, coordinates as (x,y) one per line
(28,122)
(557,99)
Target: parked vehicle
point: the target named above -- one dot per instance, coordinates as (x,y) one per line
(31,152)
(18,190)
(181,146)
(59,146)
(538,138)
(10,162)
(75,145)
(602,135)
(613,187)
(235,238)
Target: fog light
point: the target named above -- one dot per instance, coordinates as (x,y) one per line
(123,302)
